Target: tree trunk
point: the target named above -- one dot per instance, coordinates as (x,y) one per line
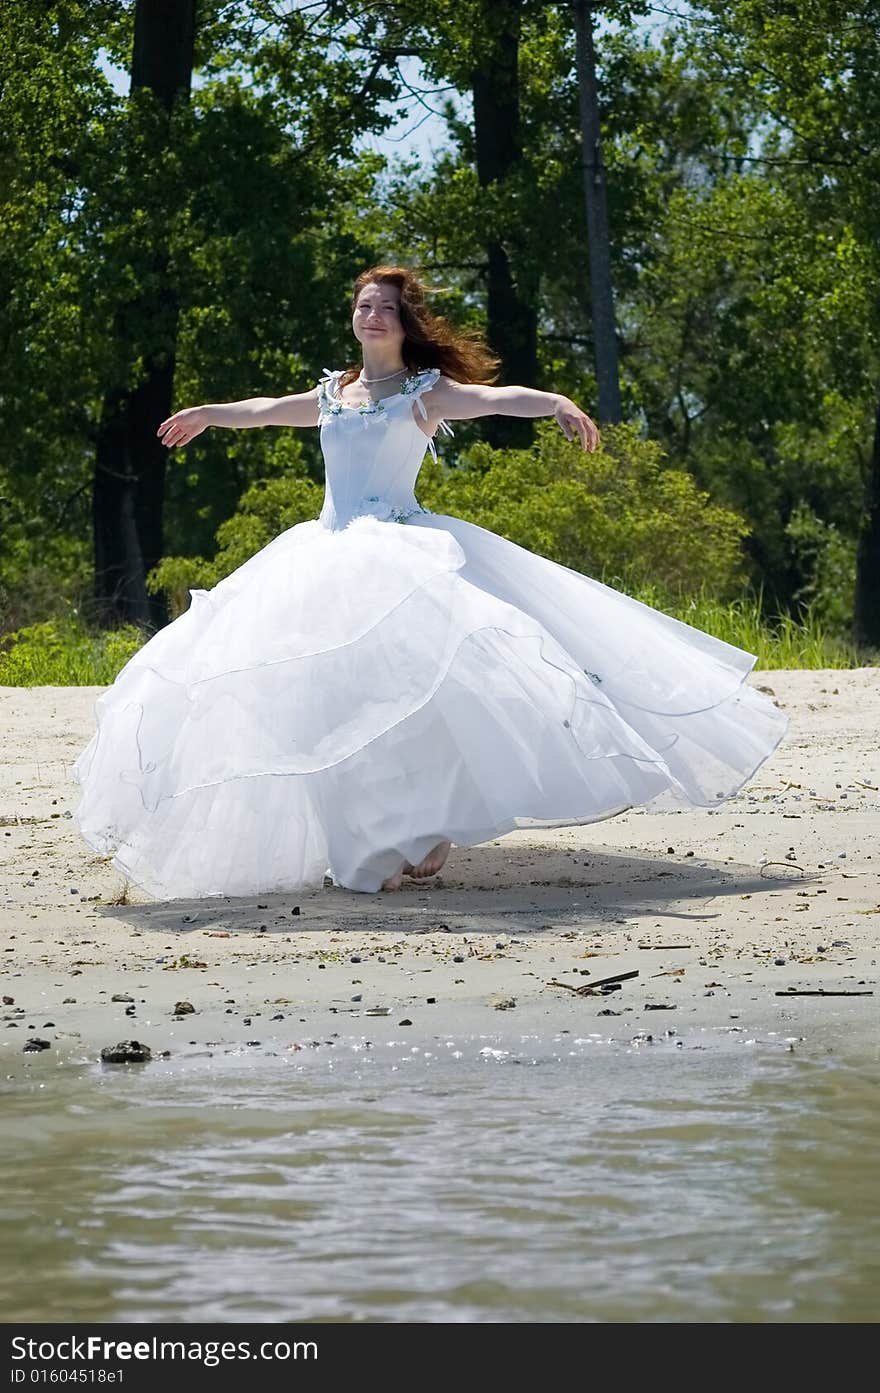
(867,605)
(598,241)
(512,328)
(129,486)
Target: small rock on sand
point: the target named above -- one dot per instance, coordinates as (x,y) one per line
(126,1052)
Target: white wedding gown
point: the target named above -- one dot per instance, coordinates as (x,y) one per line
(384,677)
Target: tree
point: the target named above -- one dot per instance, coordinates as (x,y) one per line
(511,308)
(476,46)
(740,156)
(601,290)
(53,98)
(223,238)
(129,486)
(813,69)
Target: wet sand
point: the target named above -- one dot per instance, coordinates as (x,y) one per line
(716,911)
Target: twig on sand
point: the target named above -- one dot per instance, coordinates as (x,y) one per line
(590,988)
(664,947)
(818,991)
(789,865)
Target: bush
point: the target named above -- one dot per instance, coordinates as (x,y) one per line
(268,507)
(620,514)
(62,653)
(826,558)
(41,577)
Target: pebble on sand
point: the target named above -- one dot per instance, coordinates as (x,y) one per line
(126,1052)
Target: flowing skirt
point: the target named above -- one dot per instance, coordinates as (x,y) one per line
(346,699)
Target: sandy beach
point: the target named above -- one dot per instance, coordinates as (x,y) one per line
(717,912)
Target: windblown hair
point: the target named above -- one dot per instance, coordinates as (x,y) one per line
(431,341)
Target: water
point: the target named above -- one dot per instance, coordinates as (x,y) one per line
(541,1180)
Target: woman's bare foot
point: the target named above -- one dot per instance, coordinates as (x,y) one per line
(395,881)
(430,864)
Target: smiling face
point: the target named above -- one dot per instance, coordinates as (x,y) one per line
(376,318)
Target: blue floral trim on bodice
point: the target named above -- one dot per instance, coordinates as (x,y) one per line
(390,513)
(330,404)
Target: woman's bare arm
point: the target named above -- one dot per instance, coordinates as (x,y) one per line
(464,401)
(301,409)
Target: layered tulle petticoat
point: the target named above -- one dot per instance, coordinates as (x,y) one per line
(347,698)
(385,677)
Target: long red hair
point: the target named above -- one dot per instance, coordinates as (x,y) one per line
(431,341)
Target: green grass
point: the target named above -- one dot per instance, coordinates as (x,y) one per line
(784,642)
(63,653)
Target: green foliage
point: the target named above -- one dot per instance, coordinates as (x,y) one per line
(40,583)
(827,558)
(744,309)
(268,507)
(245,214)
(619,513)
(62,653)
(741,146)
(55,103)
(762,300)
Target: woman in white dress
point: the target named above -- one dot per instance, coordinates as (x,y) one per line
(383,681)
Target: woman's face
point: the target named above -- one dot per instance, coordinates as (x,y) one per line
(376,318)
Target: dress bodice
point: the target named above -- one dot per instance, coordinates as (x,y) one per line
(373,452)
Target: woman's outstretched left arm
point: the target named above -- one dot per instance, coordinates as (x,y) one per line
(460,401)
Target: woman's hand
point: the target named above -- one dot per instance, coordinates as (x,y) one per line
(576,423)
(183,426)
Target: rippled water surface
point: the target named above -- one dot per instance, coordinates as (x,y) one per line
(547,1181)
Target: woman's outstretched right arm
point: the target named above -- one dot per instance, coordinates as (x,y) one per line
(301,409)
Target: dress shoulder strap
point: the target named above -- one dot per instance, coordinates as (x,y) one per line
(328,383)
(420,383)
(416,387)
(328,393)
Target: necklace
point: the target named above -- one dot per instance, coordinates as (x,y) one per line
(381,379)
